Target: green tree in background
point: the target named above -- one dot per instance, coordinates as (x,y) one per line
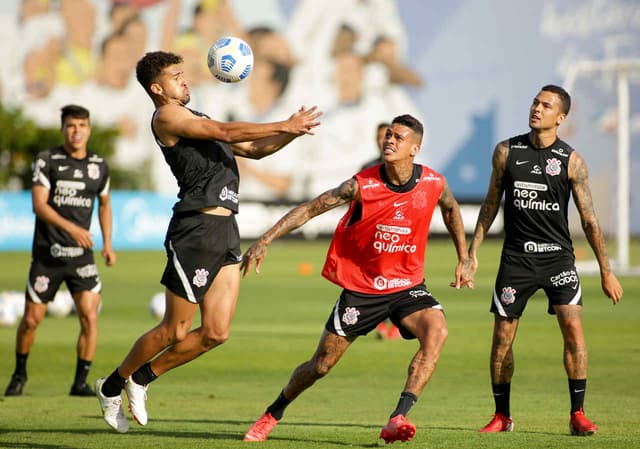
(21,139)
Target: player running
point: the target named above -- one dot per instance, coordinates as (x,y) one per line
(377,257)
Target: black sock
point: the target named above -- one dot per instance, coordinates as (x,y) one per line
(277,408)
(144,375)
(405,403)
(21,364)
(82,370)
(577,389)
(501,396)
(113,385)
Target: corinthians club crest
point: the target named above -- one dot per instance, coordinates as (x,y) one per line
(200,279)
(508,296)
(350,316)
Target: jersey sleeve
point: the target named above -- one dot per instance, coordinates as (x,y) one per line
(105,186)
(41,170)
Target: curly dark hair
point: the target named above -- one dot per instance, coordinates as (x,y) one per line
(410,122)
(152,64)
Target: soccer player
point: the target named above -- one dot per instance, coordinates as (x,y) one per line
(66,180)
(377,257)
(537,172)
(384,330)
(202,241)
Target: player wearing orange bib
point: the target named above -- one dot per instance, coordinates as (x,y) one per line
(377,256)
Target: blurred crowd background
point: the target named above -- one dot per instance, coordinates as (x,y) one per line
(467,68)
(346,56)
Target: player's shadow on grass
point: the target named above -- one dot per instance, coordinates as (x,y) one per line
(238,435)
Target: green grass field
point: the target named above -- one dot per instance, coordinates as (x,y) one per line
(210,402)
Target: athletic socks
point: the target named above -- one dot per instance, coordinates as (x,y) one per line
(113,385)
(577,388)
(144,375)
(405,403)
(82,370)
(277,408)
(21,364)
(501,396)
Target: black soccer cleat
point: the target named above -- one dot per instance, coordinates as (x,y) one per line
(16,385)
(82,390)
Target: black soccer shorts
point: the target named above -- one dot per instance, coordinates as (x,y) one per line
(358,314)
(79,274)
(197,246)
(519,277)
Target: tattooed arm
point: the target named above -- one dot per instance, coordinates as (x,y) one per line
(491,203)
(296,217)
(579,179)
(453,221)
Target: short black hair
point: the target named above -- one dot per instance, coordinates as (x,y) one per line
(410,122)
(151,65)
(565,98)
(73,110)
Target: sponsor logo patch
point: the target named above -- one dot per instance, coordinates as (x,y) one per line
(568,277)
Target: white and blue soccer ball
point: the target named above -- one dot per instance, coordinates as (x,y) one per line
(61,306)
(157,305)
(230,59)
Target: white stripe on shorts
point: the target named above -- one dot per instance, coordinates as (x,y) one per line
(577,297)
(498,304)
(32,293)
(183,276)
(336,319)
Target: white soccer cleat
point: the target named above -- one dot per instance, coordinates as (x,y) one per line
(137,395)
(112,411)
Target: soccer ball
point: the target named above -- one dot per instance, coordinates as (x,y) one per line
(157,306)
(61,306)
(16,298)
(8,312)
(230,59)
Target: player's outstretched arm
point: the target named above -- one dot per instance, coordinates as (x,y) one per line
(491,203)
(173,121)
(296,217)
(258,149)
(452,218)
(579,178)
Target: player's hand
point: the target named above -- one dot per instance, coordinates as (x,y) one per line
(465,270)
(611,287)
(109,256)
(81,236)
(256,253)
(304,120)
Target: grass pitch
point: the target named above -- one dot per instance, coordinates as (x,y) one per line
(210,402)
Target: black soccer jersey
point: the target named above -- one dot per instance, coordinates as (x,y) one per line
(537,191)
(73,185)
(206,172)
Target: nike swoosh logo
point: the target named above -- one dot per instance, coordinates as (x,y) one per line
(521,162)
(63,167)
(497,394)
(574,286)
(399,204)
(578,391)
